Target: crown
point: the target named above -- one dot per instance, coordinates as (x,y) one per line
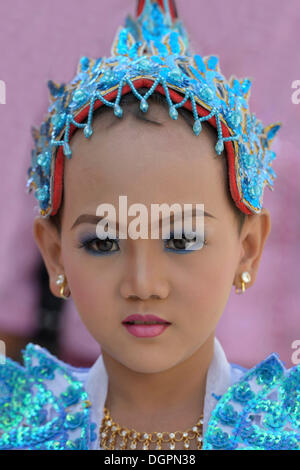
(152,51)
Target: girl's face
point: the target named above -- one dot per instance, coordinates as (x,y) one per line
(149,163)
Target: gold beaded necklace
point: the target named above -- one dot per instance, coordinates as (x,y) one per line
(113,436)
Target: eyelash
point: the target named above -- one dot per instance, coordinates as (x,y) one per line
(86,244)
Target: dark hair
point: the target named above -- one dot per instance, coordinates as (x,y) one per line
(130,99)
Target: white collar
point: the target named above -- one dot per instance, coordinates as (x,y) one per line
(218,380)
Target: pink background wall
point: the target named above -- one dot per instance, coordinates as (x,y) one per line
(41,40)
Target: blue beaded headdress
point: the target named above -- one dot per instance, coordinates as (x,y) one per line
(152,51)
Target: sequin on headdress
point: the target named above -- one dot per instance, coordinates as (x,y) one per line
(152,51)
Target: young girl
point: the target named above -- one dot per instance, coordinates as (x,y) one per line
(162,380)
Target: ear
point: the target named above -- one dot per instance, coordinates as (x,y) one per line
(48,241)
(254,235)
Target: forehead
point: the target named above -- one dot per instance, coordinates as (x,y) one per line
(150,162)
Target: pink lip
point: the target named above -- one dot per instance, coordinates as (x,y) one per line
(138,317)
(145,331)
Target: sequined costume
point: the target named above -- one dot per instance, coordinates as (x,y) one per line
(47,404)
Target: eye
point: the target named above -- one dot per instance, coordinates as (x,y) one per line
(180,244)
(98,246)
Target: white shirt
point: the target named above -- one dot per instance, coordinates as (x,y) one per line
(221,375)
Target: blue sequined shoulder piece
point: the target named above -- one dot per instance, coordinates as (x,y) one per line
(259,412)
(43,404)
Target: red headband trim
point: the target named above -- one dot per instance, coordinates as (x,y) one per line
(176,98)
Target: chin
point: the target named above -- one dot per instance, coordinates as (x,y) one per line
(149,364)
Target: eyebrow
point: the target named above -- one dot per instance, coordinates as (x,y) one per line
(94,219)
(114,122)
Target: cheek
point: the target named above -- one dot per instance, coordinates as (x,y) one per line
(91,287)
(207,287)
(217,277)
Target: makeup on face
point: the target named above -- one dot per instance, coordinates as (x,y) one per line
(145,326)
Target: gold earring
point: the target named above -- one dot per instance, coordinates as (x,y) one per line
(245,278)
(61,280)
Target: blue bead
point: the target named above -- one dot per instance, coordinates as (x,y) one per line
(144,105)
(235,119)
(248,160)
(58,120)
(88,131)
(43,159)
(118,111)
(79,96)
(219,147)
(42,193)
(239,103)
(175,75)
(254,191)
(173,112)
(67,150)
(206,94)
(107,76)
(197,128)
(144,65)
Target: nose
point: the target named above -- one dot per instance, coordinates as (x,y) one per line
(144,275)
